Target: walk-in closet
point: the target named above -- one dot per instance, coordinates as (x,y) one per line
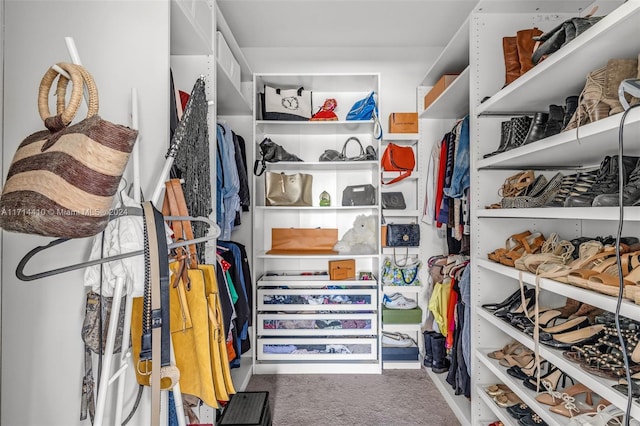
(257,212)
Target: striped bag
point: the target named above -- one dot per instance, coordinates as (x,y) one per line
(62,181)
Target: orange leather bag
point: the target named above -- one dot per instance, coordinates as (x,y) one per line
(398,158)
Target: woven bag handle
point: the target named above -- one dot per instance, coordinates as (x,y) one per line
(64,115)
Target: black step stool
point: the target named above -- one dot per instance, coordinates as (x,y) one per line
(247,409)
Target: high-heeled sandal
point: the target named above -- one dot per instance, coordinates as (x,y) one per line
(528,245)
(512,348)
(608,415)
(564,327)
(553,397)
(546,318)
(519,305)
(607,282)
(572,407)
(509,244)
(530,370)
(588,250)
(520,360)
(552,378)
(506,302)
(577,337)
(517,184)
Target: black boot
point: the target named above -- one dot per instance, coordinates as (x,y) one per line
(505,135)
(440,362)
(519,126)
(537,128)
(554,124)
(428,348)
(571,104)
(630,192)
(607,181)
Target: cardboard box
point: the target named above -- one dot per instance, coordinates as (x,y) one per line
(383,235)
(401,316)
(437,89)
(342,269)
(403,122)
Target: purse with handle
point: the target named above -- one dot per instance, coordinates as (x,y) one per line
(62,181)
(403,235)
(288,190)
(393,201)
(359,195)
(398,158)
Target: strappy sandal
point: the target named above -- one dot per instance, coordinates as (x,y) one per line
(553,397)
(517,184)
(607,282)
(528,245)
(559,272)
(510,244)
(512,348)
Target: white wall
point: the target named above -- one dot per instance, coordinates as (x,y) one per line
(123,44)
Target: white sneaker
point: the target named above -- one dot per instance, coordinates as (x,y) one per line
(397,340)
(400,302)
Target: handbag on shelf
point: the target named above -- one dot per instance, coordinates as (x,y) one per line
(366,109)
(272,152)
(286,104)
(403,235)
(62,181)
(359,195)
(405,274)
(393,200)
(398,158)
(288,190)
(303,240)
(368,154)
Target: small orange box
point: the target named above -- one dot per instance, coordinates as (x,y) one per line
(403,122)
(342,269)
(383,235)
(437,89)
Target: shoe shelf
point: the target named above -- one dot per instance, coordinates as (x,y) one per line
(591,297)
(599,385)
(580,213)
(501,413)
(528,396)
(583,147)
(322,165)
(460,405)
(564,71)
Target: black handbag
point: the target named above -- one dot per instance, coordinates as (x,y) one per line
(272,152)
(403,235)
(368,154)
(359,195)
(393,201)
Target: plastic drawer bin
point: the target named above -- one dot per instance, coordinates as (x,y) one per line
(247,409)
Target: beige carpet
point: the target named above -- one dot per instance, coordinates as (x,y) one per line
(396,397)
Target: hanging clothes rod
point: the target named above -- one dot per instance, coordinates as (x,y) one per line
(27,257)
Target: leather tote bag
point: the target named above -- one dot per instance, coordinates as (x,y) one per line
(393,200)
(368,154)
(286,104)
(288,190)
(61,181)
(398,158)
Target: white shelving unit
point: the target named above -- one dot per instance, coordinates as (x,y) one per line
(410,191)
(439,118)
(561,75)
(285,316)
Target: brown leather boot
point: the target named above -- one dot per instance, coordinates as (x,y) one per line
(617,70)
(570,307)
(511,59)
(526,44)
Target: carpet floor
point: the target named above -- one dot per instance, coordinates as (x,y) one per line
(396,397)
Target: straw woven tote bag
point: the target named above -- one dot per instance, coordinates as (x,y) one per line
(61,181)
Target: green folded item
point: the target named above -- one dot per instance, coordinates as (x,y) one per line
(401,316)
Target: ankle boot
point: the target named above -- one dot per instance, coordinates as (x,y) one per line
(554,123)
(570,105)
(630,192)
(440,362)
(537,128)
(428,348)
(570,307)
(525,44)
(511,60)
(519,127)
(617,70)
(505,135)
(607,181)
(591,107)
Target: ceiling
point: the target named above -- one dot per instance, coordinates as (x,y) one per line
(343,24)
